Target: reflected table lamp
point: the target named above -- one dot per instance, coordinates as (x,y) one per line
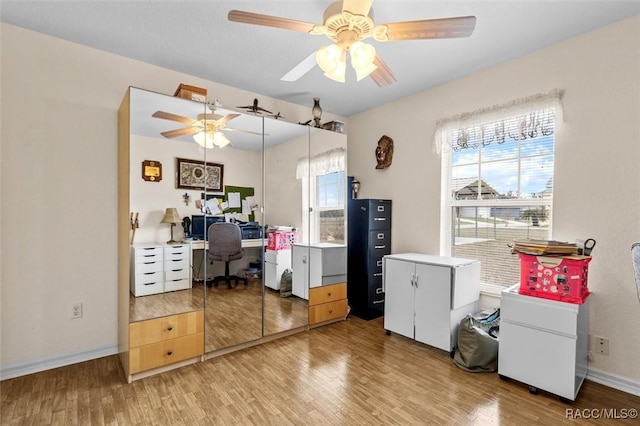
(171,216)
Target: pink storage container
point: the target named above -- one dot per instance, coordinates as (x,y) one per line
(557,278)
(280,240)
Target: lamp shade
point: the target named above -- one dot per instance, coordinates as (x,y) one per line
(171,216)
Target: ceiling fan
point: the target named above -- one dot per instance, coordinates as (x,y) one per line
(206,128)
(347,23)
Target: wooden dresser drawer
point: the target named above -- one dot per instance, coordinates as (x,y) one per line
(165,328)
(327,311)
(327,293)
(165,352)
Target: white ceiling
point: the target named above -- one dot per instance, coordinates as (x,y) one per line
(196,38)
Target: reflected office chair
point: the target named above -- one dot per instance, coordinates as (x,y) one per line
(225,244)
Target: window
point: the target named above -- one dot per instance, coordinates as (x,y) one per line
(323,193)
(497,186)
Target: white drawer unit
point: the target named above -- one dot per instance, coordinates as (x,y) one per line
(543,343)
(177,267)
(157,268)
(275,263)
(147,269)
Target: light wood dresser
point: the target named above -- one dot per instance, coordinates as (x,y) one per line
(163,341)
(327,303)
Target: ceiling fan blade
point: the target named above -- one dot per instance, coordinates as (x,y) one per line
(181,132)
(357,7)
(462,26)
(301,69)
(382,76)
(172,117)
(227,118)
(269,21)
(226,129)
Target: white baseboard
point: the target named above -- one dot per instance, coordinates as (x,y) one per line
(614,381)
(22,369)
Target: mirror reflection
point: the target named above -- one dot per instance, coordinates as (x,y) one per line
(261,174)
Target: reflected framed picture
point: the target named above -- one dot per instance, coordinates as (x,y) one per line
(194,174)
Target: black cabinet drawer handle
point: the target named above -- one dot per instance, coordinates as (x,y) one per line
(380,247)
(169,353)
(170,328)
(375,302)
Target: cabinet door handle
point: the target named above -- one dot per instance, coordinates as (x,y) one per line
(170,328)
(329,294)
(416,282)
(330,311)
(379,247)
(379,218)
(169,352)
(378,274)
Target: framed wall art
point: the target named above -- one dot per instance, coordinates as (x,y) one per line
(151,171)
(194,174)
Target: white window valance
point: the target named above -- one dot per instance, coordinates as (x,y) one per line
(328,162)
(533,106)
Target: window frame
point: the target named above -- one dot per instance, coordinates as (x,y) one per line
(449,202)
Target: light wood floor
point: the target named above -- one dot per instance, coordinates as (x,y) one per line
(348,373)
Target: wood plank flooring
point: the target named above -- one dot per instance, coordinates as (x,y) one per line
(349,372)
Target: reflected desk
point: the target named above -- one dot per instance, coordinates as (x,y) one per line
(199,246)
(257,242)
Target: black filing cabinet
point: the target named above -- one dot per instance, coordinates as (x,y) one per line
(369,238)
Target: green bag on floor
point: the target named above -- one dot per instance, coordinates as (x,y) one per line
(477,349)
(286,283)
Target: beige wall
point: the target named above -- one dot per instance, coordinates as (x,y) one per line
(150,199)
(59,104)
(597,163)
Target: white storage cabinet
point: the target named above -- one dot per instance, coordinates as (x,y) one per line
(427,296)
(147,269)
(275,263)
(543,343)
(157,268)
(177,267)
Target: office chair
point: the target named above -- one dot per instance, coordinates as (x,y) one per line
(225,244)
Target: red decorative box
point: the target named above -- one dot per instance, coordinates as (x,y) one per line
(281,240)
(557,278)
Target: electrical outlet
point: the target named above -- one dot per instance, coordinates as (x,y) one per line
(76,311)
(600,345)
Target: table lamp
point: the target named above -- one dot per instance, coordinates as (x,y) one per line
(171,216)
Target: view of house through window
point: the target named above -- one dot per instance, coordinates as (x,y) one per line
(499,181)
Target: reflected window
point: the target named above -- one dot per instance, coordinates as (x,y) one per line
(323,176)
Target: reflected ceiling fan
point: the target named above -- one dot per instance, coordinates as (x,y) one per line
(206,128)
(347,23)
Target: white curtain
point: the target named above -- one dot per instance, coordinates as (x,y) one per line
(321,164)
(536,104)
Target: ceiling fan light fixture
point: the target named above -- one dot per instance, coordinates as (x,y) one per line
(331,58)
(362,57)
(211,139)
(204,139)
(220,140)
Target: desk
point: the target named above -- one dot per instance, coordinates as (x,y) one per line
(257,242)
(202,245)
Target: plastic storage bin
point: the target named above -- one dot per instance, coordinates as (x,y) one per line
(555,278)
(281,240)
